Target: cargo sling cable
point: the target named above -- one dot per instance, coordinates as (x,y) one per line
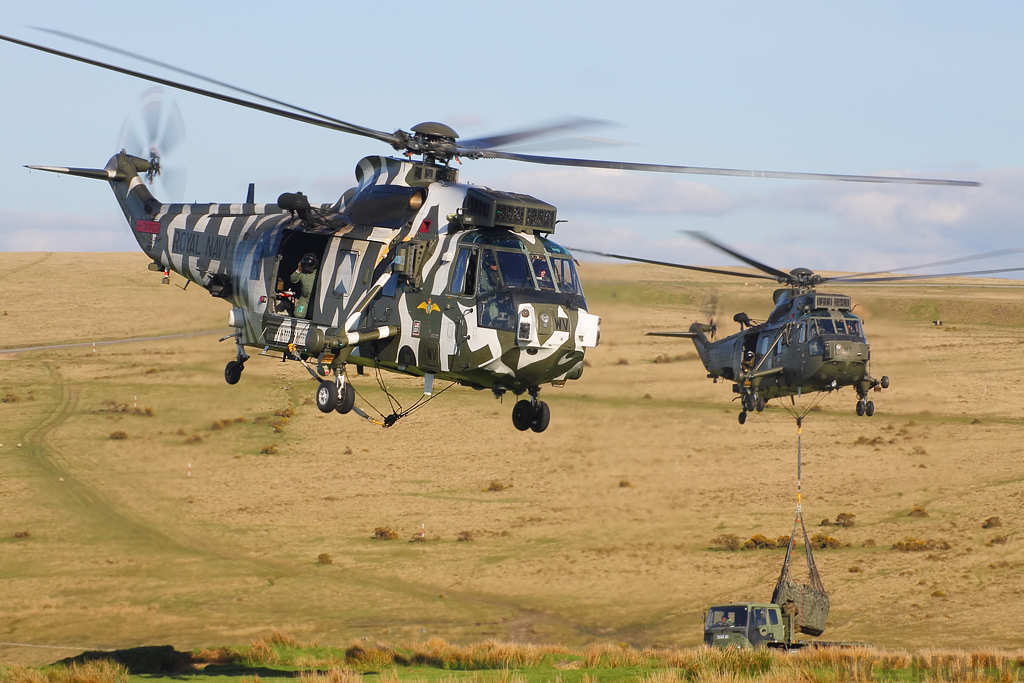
(808,604)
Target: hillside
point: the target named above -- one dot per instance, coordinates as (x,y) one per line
(601,529)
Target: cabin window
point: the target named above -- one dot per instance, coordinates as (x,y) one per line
(840,327)
(825,326)
(344,275)
(763,345)
(773,617)
(853,327)
(803,333)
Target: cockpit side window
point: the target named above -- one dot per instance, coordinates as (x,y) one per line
(490,274)
(464,272)
(565,275)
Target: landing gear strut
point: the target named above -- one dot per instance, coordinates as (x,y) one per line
(751,402)
(531,414)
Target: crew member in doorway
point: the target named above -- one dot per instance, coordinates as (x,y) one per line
(304,278)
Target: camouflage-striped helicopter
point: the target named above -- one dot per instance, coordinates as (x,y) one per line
(811,341)
(410,271)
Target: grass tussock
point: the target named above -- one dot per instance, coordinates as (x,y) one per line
(488,655)
(125,409)
(96,671)
(333,675)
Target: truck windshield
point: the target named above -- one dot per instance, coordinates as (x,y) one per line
(727,617)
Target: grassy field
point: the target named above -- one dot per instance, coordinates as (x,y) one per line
(225,512)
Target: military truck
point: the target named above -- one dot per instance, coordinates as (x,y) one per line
(750,624)
(757,624)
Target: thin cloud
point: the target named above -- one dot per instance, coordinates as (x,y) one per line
(621,192)
(63,232)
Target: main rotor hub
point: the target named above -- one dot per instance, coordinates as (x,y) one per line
(435,141)
(433,129)
(804,277)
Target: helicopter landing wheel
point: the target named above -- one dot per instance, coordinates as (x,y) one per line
(541,417)
(743,417)
(869,408)
(347,400)
(862,408)
(748,402)
(522,415)
(327,396)
(885,381)
(759,404)
(233,371)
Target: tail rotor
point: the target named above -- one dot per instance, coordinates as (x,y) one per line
(156,131)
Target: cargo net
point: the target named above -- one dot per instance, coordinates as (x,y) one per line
(808,603)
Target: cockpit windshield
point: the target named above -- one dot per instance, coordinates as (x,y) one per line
(817,327)
(727,617)
(502,266)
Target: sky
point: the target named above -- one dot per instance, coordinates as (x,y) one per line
(929,89)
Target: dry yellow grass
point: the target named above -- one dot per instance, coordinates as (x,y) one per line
(121,536)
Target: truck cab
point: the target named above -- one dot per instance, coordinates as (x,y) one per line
(743,625)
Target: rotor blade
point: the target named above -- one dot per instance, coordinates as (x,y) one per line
(699,170)
(368,132)
(683,335)
(774,272)
(897,278)
(717,271)
(515,136)
(936,264)
(340,126)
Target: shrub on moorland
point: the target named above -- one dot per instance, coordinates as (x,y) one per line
(727,542)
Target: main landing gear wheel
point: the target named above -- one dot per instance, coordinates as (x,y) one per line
(327,396)
(743,417)
(541,417)
(759,404)
(869,408)
(347,400)
(527,415)
(233,371)
(862,408)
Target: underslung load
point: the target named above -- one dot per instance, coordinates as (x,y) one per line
(807,604)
